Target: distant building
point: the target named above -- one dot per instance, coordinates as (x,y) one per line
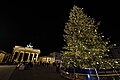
(7,58)
(53,57)
(57,56)
(47,59)
(25,54)
(2,55)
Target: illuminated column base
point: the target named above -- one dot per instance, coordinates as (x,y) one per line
(33,57)
(28,60)
(37,58)
(22,57)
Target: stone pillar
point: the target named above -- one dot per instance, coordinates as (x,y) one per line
(14,52)
(28,60)
(18,56)
(22,57)
(13,55)
(37,58)
(33,57)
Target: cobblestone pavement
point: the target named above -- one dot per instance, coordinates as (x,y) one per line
(37,72)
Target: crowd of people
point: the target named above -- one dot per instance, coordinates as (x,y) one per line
(24,65)
(29,65)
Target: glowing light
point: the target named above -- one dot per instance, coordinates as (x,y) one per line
(110,63)
(114,44)
(97,62)
(95,30)
(102,36)
(89,52)
(88,76)
(116,62)
(106,42)
(100,56)
(67,73)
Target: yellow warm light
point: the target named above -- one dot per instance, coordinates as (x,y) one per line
(1,57)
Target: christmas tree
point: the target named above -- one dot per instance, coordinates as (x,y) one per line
(85,47)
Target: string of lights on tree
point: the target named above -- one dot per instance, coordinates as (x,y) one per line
(85,47)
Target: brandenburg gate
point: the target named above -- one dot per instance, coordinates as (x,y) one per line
(25,54)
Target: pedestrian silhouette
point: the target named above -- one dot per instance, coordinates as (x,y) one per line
(57,67)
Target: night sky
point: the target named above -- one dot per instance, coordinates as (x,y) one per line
(42,23)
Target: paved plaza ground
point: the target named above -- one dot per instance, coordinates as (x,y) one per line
(6,71)
(37,73)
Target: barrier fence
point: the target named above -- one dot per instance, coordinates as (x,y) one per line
(90,74)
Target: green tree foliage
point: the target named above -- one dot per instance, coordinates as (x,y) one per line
(84,47)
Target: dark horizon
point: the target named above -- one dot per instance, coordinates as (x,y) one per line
(42,23)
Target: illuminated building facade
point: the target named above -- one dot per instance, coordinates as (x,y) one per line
(47,59)
(25,54)
(57,56)
(53,57)
(5,57)
(2,55)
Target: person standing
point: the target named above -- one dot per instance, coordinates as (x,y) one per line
(57,67)
(22,66)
